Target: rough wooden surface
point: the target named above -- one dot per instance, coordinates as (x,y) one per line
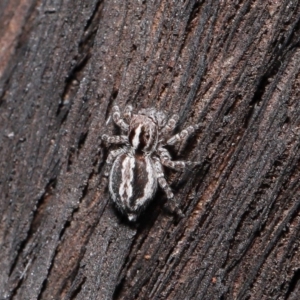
(232,65)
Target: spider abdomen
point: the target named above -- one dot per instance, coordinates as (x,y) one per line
(133,183)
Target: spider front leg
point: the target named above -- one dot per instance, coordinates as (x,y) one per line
(127,113)
(166,188)
(169,127)
(117,117)
(115,139)
(110,159)
(166,160)
(183,135)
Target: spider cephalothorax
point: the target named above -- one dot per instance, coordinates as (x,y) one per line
(136,169)
(143,134)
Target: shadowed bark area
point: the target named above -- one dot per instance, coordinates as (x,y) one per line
(234,66)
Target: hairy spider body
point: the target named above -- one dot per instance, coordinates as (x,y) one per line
(136,183)
(135,170)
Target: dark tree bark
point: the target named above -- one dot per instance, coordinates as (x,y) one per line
(231,65)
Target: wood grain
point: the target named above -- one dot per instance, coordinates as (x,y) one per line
(234,66)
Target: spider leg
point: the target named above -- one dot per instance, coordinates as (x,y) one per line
(169,127)
(118,120)
(127,113)
(183,135)
(162,181)
(164,185)
(166,160)
(110,159)
(115,139)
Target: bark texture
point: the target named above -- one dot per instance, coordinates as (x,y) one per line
(232,65)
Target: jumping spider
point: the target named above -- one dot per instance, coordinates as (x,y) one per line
(135,169)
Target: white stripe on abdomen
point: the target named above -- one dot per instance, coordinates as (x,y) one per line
(150,186)
(125,190)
